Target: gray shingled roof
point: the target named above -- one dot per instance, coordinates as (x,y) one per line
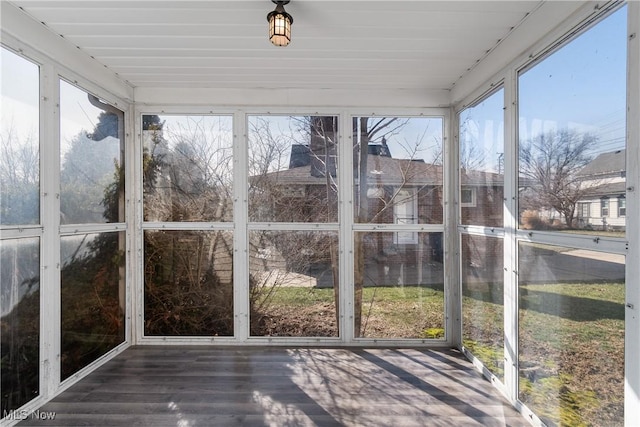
(612,163)
(612,189)
(390,171)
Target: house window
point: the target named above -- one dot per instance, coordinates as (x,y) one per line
(92,192)
(604,207)
(622,206)
(583,210)
(468,197)
(91,158)
(20,264)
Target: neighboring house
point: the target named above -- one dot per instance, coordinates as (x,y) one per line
(481,198)
(399,191)
(603,205)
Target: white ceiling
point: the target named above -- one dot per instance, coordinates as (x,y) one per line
(422,45)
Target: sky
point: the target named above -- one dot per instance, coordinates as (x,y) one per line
(582,86)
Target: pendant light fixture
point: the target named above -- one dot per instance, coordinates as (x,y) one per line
(280,24)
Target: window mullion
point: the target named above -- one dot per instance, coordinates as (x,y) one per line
(50,346)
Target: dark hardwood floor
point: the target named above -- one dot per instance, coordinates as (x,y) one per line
(274,386)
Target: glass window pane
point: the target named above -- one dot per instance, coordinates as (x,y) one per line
(571,334)
(19,141)
(294,283)
(188,168)
(91,159)
(572,132)
(92,297)
(20,284)
(398,178)
(399,291)
(483,300)
(188,283)
(622,206)
(482,162)
(293,174)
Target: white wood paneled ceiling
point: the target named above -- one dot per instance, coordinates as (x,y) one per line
(356,44)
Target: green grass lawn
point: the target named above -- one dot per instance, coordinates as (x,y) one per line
(571,343)
(402,312)
(387,312)
(300,297)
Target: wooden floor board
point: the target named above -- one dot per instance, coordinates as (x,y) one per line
(274,386)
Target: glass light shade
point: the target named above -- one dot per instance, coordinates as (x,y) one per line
(280,28)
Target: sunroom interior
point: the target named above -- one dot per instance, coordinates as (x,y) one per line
(401,175)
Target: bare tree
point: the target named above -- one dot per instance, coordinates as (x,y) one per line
(551,161)
(19,177)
